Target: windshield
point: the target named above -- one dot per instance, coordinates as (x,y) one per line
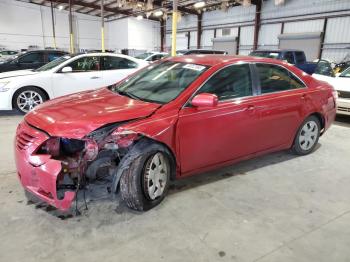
(265,54)
(143,56)
(345,73)
(162,82)
(53,63)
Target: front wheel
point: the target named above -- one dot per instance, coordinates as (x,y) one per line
(145,175)
(26,98)
(307,136)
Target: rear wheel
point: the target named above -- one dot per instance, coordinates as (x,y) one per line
(26,98)
(307,136)
(145,175)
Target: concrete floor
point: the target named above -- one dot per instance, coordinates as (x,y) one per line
(274,208)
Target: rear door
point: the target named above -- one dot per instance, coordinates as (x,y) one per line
(85,75)
(280,106)
(116,68)
(209,136)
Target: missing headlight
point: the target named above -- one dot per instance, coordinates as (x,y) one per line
(71,146)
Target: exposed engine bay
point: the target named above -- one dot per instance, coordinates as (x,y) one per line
(91,158)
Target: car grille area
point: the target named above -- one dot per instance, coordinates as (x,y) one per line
(28,138)
(24,140)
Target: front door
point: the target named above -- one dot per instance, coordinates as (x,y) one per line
(85,75)
(209,136)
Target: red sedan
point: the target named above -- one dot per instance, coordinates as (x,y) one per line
(173,119)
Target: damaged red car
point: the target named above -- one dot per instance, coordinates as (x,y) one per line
(179,117)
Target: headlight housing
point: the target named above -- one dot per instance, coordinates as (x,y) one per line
(3,87)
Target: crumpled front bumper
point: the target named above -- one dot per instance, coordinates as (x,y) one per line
(38,173)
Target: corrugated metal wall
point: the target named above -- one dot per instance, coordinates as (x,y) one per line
(304,26)
(295,16)
(337,39)
(268,36)
(246,40)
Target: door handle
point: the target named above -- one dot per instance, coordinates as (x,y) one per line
(95,77)
(303,97)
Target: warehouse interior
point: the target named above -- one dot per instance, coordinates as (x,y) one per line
(269,206)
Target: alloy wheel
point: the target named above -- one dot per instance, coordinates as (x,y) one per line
(28,99)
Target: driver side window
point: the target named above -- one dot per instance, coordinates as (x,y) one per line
(231,82)
(86,64)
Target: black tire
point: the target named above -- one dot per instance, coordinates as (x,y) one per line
(40,96)
(298,147)
(132,172)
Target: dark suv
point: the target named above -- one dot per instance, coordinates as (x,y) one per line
(30,60)
(200,52)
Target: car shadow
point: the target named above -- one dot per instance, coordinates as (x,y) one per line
(238,169)
(9,113)
(342,120)
(99,199)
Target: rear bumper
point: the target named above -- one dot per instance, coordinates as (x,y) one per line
(343,106)
(38,174)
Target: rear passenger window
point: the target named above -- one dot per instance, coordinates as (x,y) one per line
(113,63)
(231,82)
(275,78)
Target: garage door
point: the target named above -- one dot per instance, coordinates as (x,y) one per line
(225,43)
(310,43)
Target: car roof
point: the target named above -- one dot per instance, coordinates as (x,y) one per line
(45,50)
(211,60)
(278,50)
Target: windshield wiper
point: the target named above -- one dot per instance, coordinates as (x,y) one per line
(124,93)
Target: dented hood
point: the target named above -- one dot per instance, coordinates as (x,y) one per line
(75,116)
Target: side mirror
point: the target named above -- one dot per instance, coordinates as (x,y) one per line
(67,69)
(205,100)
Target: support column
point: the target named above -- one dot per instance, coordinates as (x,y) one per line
(53,26)
(257,24)
(199,29)
(174,29)
(162,34)
(71,36)
(102,27)
(238,40)
(322,38)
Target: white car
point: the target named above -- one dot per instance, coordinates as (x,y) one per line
(341,83)
(152,56)
(24,89)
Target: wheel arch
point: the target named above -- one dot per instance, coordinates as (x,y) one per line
(38,87)
(143,138)
(320,118)
(173,161)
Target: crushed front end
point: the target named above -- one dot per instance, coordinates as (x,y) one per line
(55,168)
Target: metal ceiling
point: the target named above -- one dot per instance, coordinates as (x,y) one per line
(124,8)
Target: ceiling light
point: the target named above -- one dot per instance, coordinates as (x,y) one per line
(139,17)
(158,13)
(199,4)
(60,7)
